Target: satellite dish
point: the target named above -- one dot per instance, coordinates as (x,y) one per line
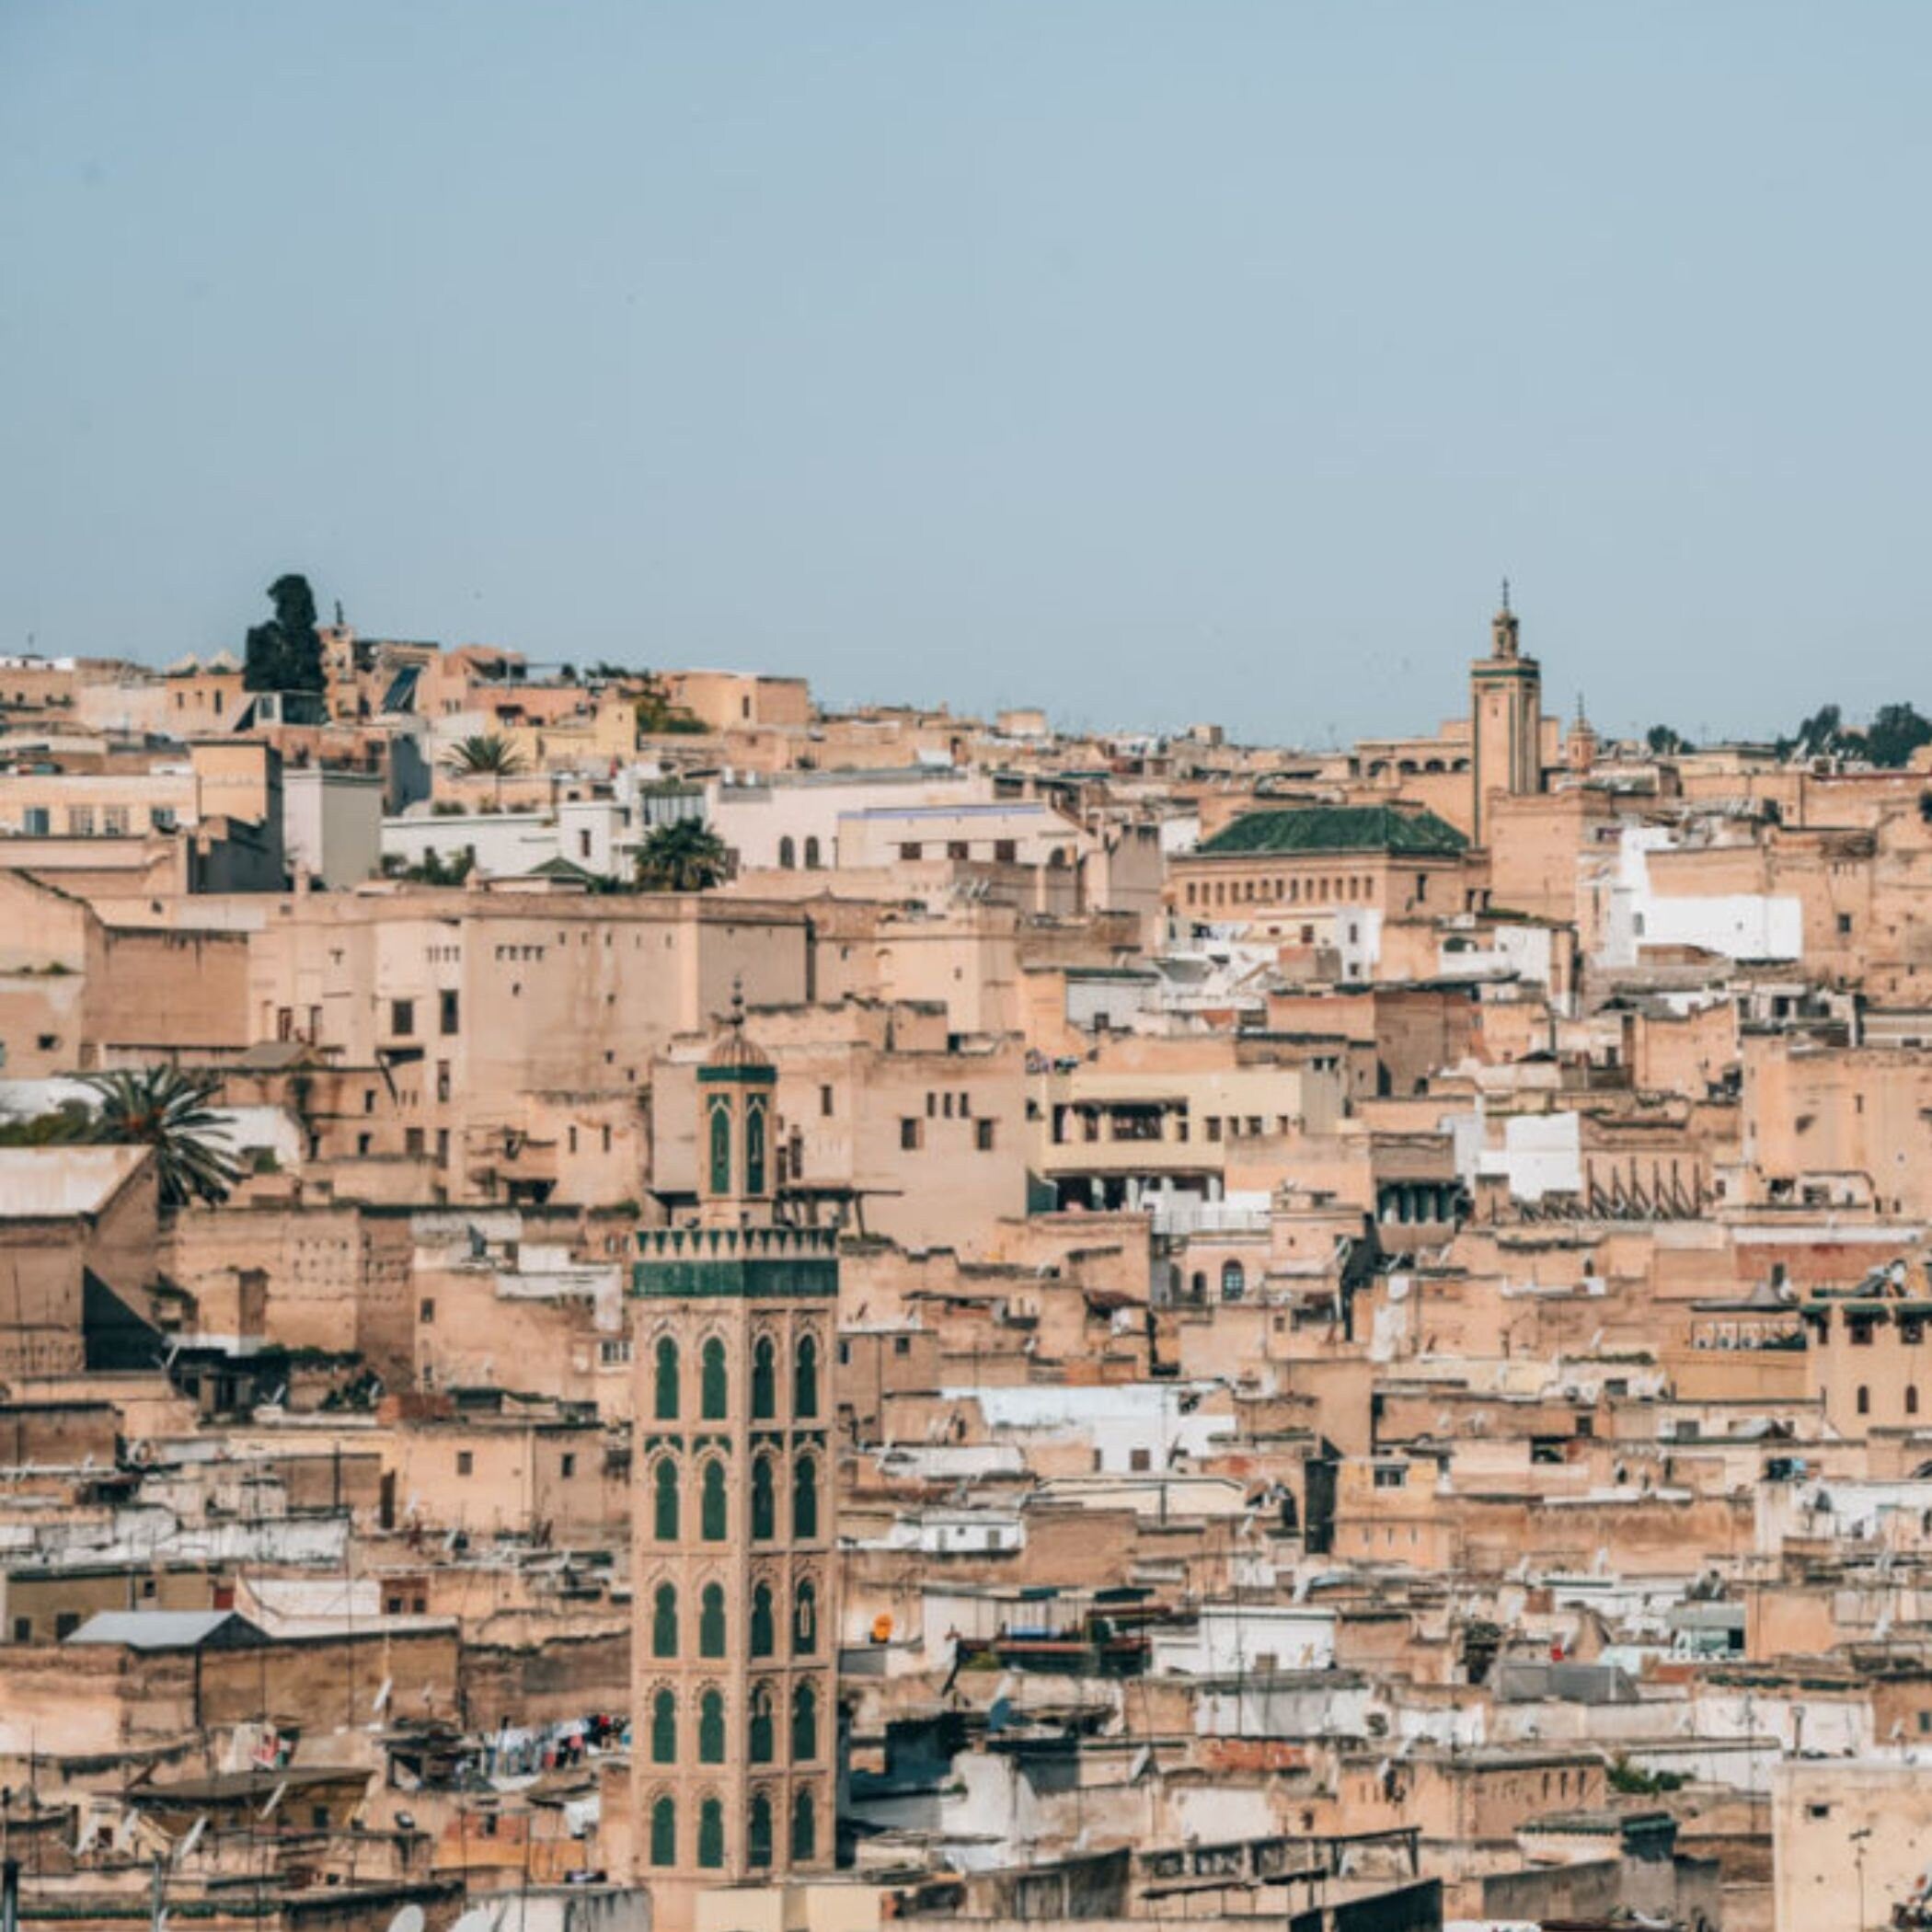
(478,1918)
(193,1837)
(409,1918)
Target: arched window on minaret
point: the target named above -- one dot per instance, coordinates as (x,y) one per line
(804,1724)
(754,1111)
(712,1402)
(805,1380)
(720,1144)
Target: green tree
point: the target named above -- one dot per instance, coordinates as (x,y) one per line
(1823,734)
(161,1107)
(67,1124)
(658,718)
(1666,742)
(1896,732)
(285,653)
(431,869)
(686,856)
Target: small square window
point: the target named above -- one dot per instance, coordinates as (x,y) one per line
(983,1136)
(911,1134)
(466,1462)
(402,1017)
(426,1313)
(568,1465)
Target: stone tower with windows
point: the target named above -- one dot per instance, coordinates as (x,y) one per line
(735,1642)
(1505,721)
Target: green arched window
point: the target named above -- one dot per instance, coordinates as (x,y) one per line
(804,1724)
(804,1828)
(663,1621)
(805,1498)
(758,1832)
(711,1621)
(663,1833)
(805,1380)
(754,1147)
(711,1399)
(762,1645)
(762,1742)
(711,1727)
(764,1379)
(711,1835)
(663,1510)
(805,1620)
(711,1504)
(664,1406)
(720,1144)
(663,1729)
(764,1508)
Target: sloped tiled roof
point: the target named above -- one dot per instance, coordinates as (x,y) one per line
(1336,828)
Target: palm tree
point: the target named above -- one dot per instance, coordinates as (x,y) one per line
(486,755)
(163,1108)
(483,756)
(685,856)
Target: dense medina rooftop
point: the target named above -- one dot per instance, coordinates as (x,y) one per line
(639,1299)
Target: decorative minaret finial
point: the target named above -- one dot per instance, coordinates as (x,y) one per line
(1503,629)
(737,1016)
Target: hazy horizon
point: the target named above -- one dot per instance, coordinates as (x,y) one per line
(1146,363)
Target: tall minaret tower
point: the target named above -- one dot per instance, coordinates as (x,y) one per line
(1506,720)
(734,1642)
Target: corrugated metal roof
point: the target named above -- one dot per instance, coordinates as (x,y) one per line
(164,1629)
(36,1183)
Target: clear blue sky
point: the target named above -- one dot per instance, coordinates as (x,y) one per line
(1150,361)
